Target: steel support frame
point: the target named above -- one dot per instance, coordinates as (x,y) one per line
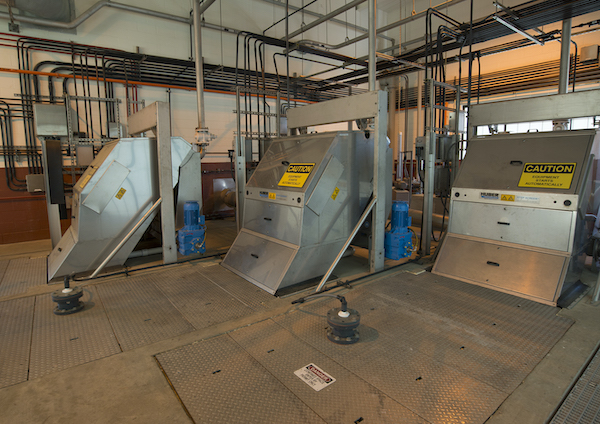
(372,104)
(557,106)
(156,117)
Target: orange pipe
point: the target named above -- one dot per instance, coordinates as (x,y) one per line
(149,84)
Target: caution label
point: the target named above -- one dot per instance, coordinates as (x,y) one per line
(335,193)
(547,175)
(272,196)
(508,197)
(296,174)
(120,193)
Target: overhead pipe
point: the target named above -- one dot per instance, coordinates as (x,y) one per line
(325,17)
(565,53)
(372,44)
(318,15)
(92,10)
(392,25)
(197,13)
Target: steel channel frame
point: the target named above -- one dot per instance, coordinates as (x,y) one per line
(157,117)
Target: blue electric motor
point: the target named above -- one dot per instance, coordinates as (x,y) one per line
(398,240)
(191,236)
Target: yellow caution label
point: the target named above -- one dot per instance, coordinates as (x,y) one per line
(335,193)
(85,180)
(296,174)
(547,175)
(507,197)
(272,196)
(120,193)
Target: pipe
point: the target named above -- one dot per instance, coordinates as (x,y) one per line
(92,10)
(325,17)
(318,15)
(372,44)
(197,12)
(565,52)
(394,24)
(126,238)
(145,252)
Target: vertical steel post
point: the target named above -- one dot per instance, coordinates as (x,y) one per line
(372,44)
(380,175)
(456,157)
(199,64)
(240,164)
(565,50)
(165,182)
(427,220)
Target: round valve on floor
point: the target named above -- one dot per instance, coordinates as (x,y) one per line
(343,325)
(67,299)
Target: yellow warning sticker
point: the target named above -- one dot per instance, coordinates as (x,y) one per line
(335,193)
(85,180)
(547,175)
(507,197)
(272,196)
(120,193)
(296,174)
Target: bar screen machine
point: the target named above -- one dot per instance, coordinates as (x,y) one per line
(517,214)
(301,205)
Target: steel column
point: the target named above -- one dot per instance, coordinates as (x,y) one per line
(565,51)
(426,226)
(380,194)
(372,44)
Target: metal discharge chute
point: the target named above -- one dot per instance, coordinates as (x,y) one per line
(301,205)
(115,192)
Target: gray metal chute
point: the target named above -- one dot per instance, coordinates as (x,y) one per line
(301,204)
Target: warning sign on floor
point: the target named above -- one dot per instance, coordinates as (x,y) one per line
(315,377)
(547,175)
(296,174)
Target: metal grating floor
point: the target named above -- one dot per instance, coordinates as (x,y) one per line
(21,274)
(432,350)
(61,342)
(16,317)
(139,312)
(219,382)
(582,405)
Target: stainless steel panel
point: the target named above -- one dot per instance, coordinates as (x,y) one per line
(336,193)
(558,106)
(274,220)
(508,268)
(92,235)
(50,120)
(488,161)
(324,190)
(337,110)
(106,187)
(283,151)
(263,261)
(528,226)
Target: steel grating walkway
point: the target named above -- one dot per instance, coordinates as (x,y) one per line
(120,315)
(432,350)
(582,405)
